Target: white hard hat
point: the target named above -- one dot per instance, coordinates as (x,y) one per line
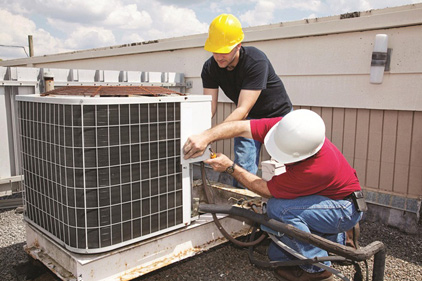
(299,135)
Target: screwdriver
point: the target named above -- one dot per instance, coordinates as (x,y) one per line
(212,155)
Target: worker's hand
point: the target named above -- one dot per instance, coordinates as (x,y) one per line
(219,163)
(194,146)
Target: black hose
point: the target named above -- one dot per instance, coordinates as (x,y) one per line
(360,254)
(275,264)
(210,200)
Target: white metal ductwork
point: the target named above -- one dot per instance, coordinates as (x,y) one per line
(104,172)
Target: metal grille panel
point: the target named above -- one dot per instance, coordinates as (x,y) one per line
(101,175)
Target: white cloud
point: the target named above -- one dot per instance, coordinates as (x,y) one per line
(313,5)
(181,21)
(131,37)
(261,14)
(128,17)
(90,37)
(17,34)
(67,25)
(171,21)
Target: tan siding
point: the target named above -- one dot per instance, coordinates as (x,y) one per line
(404,136)
(338,128)
(388,145)
(264,154)
(384,146)
(415,174)
(317,110)
(233,106)
(349,141)
(374,148)
(362,136)
(227,144)
(213,123)
(327,116)
(219,145)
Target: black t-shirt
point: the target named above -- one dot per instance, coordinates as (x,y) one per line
(253,72)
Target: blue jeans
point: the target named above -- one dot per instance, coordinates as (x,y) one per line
(246,155)
(313,214)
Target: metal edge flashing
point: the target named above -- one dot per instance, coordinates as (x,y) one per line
(110,100)
(392,18)
(395,17)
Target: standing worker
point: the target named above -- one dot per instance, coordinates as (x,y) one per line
(319,193)
(246,77)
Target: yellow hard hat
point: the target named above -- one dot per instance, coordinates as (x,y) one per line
(224,33)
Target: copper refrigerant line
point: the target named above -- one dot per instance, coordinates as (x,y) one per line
(210,200)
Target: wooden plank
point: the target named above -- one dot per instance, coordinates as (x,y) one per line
(338,127)
(402,164)
(349,140)
(361,148)
(219,145)
(11,203)
(232,141)
(415,174)
(374,148)
(388,149)
(327,116)
(227,144)
(317,110)
(264,154)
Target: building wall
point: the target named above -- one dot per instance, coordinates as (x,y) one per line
(325,65)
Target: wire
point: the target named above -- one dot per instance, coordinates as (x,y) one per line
(210,199)
(14,46)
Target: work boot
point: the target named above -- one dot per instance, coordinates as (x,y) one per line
(295,273)
(352,237)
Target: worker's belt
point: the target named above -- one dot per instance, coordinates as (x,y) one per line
(358,200)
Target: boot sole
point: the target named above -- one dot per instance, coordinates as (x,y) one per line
(331,278)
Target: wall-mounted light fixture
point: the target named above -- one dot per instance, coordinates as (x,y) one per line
(380,59)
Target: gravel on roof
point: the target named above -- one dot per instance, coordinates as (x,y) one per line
(225,262)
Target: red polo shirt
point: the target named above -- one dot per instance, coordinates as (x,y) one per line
(326,173)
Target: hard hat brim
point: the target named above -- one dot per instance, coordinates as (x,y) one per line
(220,49)
(279,155)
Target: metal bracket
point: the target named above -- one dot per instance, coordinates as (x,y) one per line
(189,84)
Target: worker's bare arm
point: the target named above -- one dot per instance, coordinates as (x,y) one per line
(247,99)
(248,180)
(196,144)
(214,94)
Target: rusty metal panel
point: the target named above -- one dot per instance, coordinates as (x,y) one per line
(415,174)
(136,260)
(112,91)
(388,146)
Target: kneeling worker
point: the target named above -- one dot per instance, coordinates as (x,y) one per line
(316,192)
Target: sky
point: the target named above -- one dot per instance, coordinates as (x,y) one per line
(59,26)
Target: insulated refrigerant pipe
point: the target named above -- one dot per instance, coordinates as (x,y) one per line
(376,248)
(210,199)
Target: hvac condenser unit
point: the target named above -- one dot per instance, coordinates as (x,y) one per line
(103,166)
